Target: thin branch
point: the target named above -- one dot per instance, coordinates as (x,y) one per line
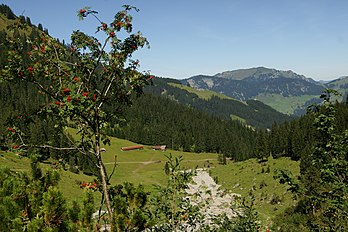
(93,13)
(56,148)
(114,168)
(101,206)
(41,87)
(57,65)
(20,137)
(99,58)
(106,91)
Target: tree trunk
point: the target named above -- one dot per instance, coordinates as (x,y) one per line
(104,183)
(101,167)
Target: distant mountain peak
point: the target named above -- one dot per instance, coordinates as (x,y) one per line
(261,73)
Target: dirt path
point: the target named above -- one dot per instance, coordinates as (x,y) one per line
(153,162)
(135,162)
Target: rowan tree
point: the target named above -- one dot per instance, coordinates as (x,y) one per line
(80,83)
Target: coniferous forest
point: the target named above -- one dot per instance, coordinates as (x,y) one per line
(155,114)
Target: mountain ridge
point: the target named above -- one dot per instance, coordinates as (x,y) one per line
(260,72)
(247,84)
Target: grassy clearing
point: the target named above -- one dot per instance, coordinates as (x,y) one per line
(204,94)
(146,166)
(237,118)
(271,197)
(286,105)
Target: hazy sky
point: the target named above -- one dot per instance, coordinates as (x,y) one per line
(191,37)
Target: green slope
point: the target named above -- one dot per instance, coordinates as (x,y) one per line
(286,105)
(145,166)
(203,94)
(271,197)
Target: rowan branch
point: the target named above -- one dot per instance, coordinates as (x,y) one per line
(114,168)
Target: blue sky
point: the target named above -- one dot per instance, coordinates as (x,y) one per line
(191,37)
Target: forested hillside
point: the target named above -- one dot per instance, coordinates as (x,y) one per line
(177,118)
(169,115)
(251,112)
(20,101)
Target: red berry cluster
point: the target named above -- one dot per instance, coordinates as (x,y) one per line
(30,69)
(91,185)
(10,129)
(66,90)
(112,34)
(15,146)
(83,12)
(104,26)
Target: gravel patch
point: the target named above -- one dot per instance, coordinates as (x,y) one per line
(213,201)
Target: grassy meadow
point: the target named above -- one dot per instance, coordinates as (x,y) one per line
(146,167)
(286,105)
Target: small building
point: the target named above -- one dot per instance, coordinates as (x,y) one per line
(160,148)
(132,148)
